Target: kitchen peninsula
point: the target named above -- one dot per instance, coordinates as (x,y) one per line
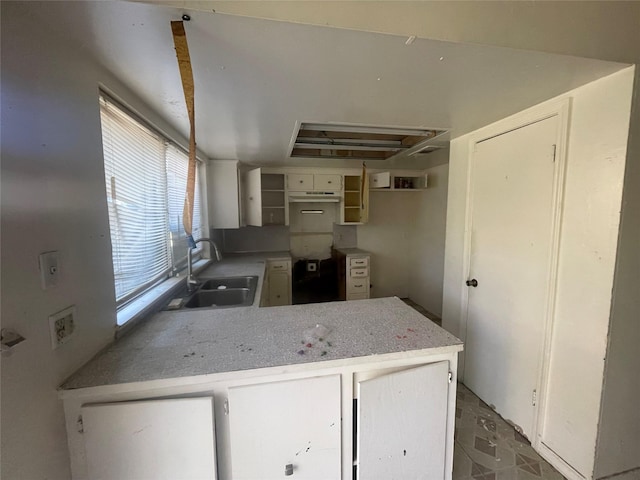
(353,389)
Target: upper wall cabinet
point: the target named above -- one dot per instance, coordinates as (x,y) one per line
(223,194)
(390,181)
(264,199)
(310,182)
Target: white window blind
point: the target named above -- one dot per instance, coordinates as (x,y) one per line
(145,176)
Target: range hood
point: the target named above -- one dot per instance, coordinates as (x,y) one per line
(318,197)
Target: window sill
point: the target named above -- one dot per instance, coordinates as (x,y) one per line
(153,300)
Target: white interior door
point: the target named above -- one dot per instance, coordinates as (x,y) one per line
(402,424)
(511,237)
(286,429)
(154,440)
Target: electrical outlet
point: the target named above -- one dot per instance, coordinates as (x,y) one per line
(49,271)
(61,326)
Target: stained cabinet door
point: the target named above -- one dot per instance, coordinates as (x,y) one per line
(402,424)
(290,428)
(155,439)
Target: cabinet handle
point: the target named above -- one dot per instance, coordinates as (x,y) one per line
(358,286)
(288,470)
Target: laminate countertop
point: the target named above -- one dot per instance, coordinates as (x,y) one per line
(183,343)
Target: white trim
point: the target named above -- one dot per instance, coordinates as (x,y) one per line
(152,300)
(558,462)
(561,109)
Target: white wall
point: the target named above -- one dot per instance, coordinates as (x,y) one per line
(53,198)
(593,187)
(405,235)
(386,237)
(426,250)
(619,435)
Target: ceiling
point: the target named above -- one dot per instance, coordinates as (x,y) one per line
(256,80)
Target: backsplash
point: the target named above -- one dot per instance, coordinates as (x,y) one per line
(278,239)
(254,239)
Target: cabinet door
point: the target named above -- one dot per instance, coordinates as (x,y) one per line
(380,180)
(223,194)
(253,196)
(279,286)
(402,424)
(327,183)
(159,439)
(294,423)
(300,182)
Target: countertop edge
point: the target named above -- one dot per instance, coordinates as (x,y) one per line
(203,379)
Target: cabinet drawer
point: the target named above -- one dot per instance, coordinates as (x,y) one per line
(359,272)
(360,285)
(327,183)
(300,182)
(380,180)
(279,265)
(359,262)
(357,296)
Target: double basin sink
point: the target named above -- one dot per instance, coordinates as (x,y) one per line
(223,292)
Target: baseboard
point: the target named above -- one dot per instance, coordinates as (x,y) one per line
(559,463)
(632,474)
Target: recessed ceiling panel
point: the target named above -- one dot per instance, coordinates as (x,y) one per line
(357,142)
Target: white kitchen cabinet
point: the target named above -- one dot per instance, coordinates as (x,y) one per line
(286,427)
(159,439)
(223,194)
(354,275)
(270,399)
(278,282)
(319,182)
(265,199)
(352,212)
(388,181)
(380,180)
(402,424)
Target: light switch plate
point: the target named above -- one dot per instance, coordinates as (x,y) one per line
(62,325)
(49,270)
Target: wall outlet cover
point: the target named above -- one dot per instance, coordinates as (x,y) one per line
(61,326)
(49,271)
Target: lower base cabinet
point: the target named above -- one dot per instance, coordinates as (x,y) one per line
(389,419)
(402,424)
(286,429)
(154,439)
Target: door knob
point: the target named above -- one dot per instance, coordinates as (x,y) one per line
(472,283)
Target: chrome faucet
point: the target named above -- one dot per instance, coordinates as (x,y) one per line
(191,280)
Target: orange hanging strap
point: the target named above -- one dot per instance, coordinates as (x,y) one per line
(364,195)
(186,73)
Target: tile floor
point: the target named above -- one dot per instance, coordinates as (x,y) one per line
(486,446)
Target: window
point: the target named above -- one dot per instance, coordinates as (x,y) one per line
(146,178)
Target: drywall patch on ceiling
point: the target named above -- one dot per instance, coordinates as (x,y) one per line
(359,142)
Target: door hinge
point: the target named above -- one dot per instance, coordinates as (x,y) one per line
(534,397)
(80,424)
(450,377)
(226,406)
(554,152)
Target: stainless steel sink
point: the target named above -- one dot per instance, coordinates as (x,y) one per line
(224,292)
(229,282)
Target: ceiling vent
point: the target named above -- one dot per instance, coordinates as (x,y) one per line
(359,142)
